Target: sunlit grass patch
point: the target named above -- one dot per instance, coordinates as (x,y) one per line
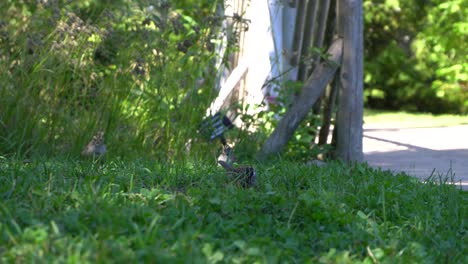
(405,119)
(63,210)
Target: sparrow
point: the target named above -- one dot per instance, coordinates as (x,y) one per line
(96,146)
(244,176)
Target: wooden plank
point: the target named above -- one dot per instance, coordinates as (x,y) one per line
(227,88)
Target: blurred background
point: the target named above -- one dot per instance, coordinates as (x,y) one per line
(146,72)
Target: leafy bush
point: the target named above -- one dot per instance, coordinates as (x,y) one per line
(415,55)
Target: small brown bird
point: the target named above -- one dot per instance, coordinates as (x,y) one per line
(96,146)
(244,176)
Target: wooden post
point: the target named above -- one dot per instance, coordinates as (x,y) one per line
(350,102)
(298,33)
(308,38)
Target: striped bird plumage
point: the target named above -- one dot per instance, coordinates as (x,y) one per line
(96,146)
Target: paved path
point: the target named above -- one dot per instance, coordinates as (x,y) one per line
(419,151)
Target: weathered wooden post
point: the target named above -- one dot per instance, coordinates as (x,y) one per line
(350,102)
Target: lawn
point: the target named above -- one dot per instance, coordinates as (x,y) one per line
(405,119)
(144,75)
(146,211)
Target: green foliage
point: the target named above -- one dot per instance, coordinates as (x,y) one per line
(141,72)
(301,147)
(415,55)
(68,211)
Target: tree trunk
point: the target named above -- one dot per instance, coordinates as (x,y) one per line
(311,91)
(350,101)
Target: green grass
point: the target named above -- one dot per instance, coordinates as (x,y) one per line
(142,211)
(63,78)
(70,69)
(405,119)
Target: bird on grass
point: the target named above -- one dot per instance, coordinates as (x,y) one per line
(244,176)
(96,147)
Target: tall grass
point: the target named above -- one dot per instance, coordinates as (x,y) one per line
(142,75)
